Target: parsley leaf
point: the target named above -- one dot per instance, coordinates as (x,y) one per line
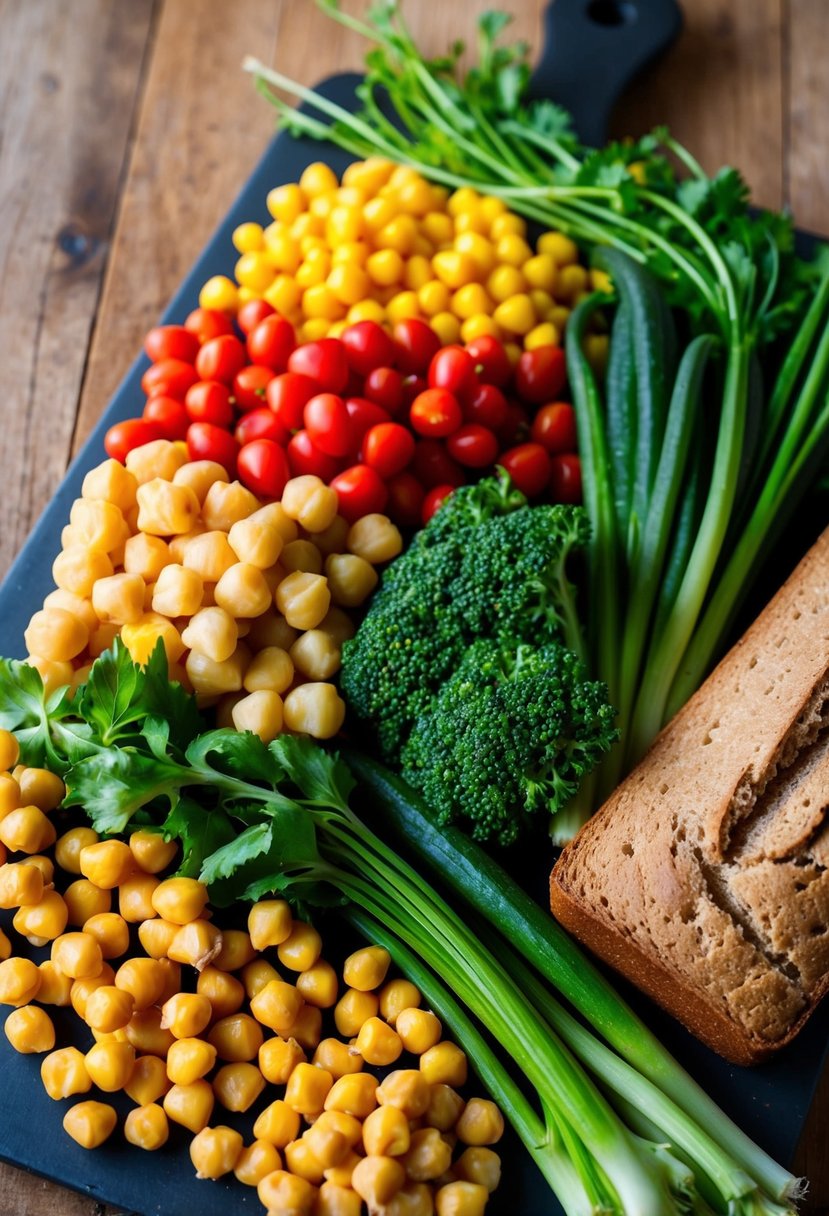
(322,776)
(235,754)
(115,782)
(200,831)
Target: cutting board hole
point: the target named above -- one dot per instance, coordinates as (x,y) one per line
(611,12)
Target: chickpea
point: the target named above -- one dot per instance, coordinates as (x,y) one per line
(237,1038)
(180,900)
(20,883)
(147,1127)
(186,1014)
(332,538)
(46,919)
(307,1089)
(27,830)
(196,943)
(55,634)
(242,591)
(281,1191)
(200,475)
(271,669)
(30,1030)
(261,713)
(77,955)
(209,554)
(407,1090)
(278,1124)
(146,556)
(351,579)
(256,541)
(278,1058)
(111,482)
(156,936)
(366,969)
(318,984)
(256,1161)
(190,1105)
(386,1132)
(355,1094)
(375,539)
(238,1085)
(310,502)
(302,1162)
(165,509)
(119,598)
(277,1006)
(69,845)
(135,897)
(159,459)
(108,1008)
(214,1151)
(143,978)
(106,864)
(90,1123)
(269,923)
(55,987)
(314,709)
(301,555)
(210,679)
(378,1179)
(151,851)
(419,1029)
(316,655)
(444,1064)
(353,1010)
(225,993)
(338,625)
(110,1065)
(64,1073)
(271,630)
(144,1031)
(303,599)
(189,1059)
(237,950)
(19,981)
(148,1080)
(84,899)
(227,503)
(178,591)
(461,1199)
(429,1155)
(479,1165)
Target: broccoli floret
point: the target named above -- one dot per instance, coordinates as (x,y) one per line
(512,732)
(470,506)
(512,581)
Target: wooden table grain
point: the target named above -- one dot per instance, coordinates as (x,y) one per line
(126,129)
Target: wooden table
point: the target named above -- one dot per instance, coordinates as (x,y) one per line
(127,128)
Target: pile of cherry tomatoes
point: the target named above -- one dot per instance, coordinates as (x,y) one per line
(393,422)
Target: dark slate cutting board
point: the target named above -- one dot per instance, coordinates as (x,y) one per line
(770,1103)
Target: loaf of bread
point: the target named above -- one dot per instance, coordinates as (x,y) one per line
(705,876)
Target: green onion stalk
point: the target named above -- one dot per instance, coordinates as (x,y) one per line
(669,568)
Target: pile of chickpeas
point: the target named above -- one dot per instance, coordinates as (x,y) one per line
(251,602)
(205,1016)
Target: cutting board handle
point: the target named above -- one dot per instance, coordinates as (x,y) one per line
(593,49)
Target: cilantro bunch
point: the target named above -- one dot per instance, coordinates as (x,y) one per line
(612,1128)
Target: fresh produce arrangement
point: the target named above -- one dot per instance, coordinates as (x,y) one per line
(426,530)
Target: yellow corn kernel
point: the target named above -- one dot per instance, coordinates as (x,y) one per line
(281,1191)
(55,634)
(27,830)
(111,482)
(197,943)
(396,995)
(142,638)
(20,883)
(315,709)
(135,897)
(148,1080)
(189,1059)
(214,1151)
(77,955)
(90,1123)
(110,1065)
(68,848)
(84,899)
(378,1179)
(180,899)
(429,1155)
(353,1094)
(64,1073)
(278,1058)
(190,1105)
(366,968)
(307,1089)
(238,1085)
(106,863)
(46,919)
(337,1058)
(144,1031)
(186,1014)
(147,1127)
(444,1064)
(278,1124)
(30,1030)
(156,936)
(317,984)
(55,987)
(143,978)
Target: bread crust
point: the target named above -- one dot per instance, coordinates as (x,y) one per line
(670,881)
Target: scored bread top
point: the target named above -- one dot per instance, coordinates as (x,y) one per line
(704,876)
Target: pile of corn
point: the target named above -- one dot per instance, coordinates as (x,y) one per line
(250,602)
(334,1136)
(386,245)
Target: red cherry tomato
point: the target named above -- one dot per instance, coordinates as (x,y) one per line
(413,386)
(565,477)
(433,466)
(367,346)
(361,491)
(516,426)
(326,421)
(169,414)
(406,496)
(324,361)
(384,385)
(554,427)
(271,342)
(250,386)
(490,359)
(171,342)
(540,374)
(388,448)
(121,438)
(473,446)
(362,415)
(436,496)
(416,345)
(206,323)
(251,313)
(529,467)
(453,368)
(287,396)
(303,457)
(260,424)
(435,413)
(263,467)
(487,406)
(221,358)
(208,442)
(209,401)
(169,378)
